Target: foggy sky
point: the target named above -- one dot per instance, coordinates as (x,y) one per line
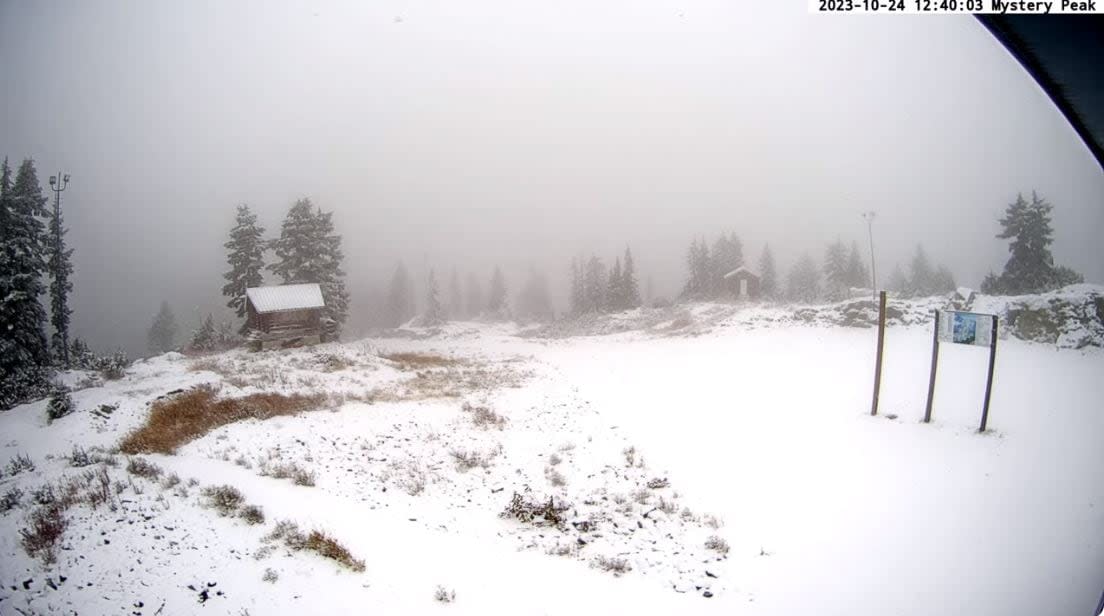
(469,134)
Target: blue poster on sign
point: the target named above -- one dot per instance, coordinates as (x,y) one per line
(964,328)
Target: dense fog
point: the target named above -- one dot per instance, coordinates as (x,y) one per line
(465,135)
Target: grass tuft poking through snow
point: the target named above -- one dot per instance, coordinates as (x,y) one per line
(444,595)
(420,361)
(180,419)
(317,541)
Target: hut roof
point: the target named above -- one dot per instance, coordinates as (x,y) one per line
(285,297)
(738,271)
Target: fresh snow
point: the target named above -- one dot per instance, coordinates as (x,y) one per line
(758,421)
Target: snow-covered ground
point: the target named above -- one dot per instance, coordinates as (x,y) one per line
(748,432)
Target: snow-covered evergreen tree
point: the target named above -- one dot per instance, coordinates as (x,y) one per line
(534,302)
(245,255)
(331,275)
(456,298)
(768,276)
(700,283)
(206,337)
(615,294)
(594,286)
(1030,268)
(434,314)
(474,297)
(60,268)
(400,298)
(308,250)
(629,286)
(836,278)
(897,281)
(162,333)
(943,280)
(921,275)
(496,296)
(857,276)
(577,293)
(803,284)
(24,352)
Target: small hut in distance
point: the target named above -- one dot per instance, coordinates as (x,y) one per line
(284,316)
(742,284)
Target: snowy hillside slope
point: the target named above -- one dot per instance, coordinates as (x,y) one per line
(729,466)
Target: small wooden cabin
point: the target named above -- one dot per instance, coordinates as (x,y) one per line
(284,316)
(742,284)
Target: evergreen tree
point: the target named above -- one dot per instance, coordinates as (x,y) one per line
(331,276)
(897,282)
(308,251)
(474,297)
(205,338)
(768,277)
(246,259)
(400,298)
(578,289)
(857,276)
(456,297)
(60,267)
(921,275)
(534,302)
(496,296)
(803,284)
(434,314)
(1030,268)
(615,296)
(629,288)
(943,280)
(162,333)
(700,283)
(594,286)
(24,352)
(835,271)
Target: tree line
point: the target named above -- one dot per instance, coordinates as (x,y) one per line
(34,262)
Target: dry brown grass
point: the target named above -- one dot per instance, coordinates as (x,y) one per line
(317,541)
(185,417)
(421,361)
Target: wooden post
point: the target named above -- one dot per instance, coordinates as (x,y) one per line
(934,368)
(881,345)
(989,378)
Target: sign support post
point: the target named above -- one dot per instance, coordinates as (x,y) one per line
(881,345)
(934,368)
(989,378)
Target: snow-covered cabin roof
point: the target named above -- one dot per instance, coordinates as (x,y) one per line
(739,270)
(285,297)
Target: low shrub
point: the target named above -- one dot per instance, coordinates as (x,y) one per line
(21,462)
(716,544)
(224,499)
(60,405)
(316,541)
(444,595)
(46,525)
(11,499)
(252,514)
(80,458)
(143,468)
(616,566)
(534,512)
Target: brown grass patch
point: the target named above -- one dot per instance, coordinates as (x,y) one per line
(185,417)
(317,541)
(421,361)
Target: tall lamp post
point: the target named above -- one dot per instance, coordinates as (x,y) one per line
(869,217)
(58,183)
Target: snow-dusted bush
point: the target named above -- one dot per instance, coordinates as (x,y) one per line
(11,499)
(616,566)
(59,406)
(444,595)
(113,367)
(143,468)
(224,499)
(21,462)
(252,514)
(717,544)
(46,525)
(23,385)
(79,458)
